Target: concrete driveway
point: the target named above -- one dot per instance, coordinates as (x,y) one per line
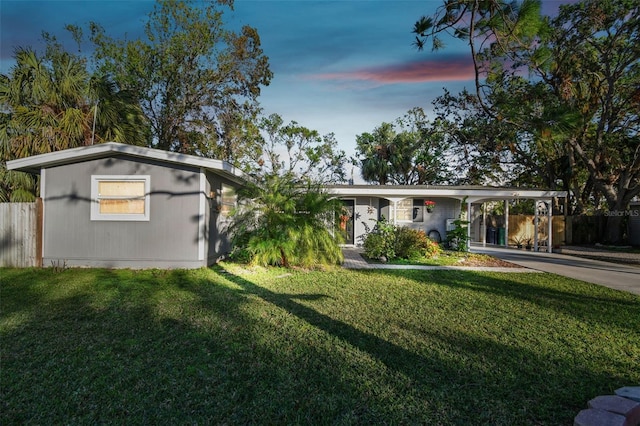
(622,277)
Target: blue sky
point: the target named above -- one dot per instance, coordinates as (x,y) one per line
(339,66)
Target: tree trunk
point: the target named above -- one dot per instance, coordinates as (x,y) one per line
(284,261)
(613,232)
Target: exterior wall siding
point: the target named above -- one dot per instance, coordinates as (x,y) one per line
(169,239)
(446,208)
(218,238)
(366,215)
(369,209)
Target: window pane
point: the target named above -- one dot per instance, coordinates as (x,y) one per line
(122,206)
(115,188)
(404,209)
(418,210)
(227,200)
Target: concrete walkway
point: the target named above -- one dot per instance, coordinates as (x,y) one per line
(618,276)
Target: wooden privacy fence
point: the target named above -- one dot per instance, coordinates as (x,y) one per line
(21,234)
(522,227)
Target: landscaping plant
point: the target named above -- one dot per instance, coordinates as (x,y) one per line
(457,238)
(387,242)
(286,222)
(380,242)
(414,243)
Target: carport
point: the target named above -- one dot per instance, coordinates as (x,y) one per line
(375,201)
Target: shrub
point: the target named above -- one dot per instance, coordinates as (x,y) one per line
(457,238)
(387,240)
(433,249)
(380,242)
(413,243)
(285,221)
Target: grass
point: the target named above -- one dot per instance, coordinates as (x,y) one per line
(449,258)
(237,346)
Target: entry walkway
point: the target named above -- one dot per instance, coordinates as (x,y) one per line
(622,277)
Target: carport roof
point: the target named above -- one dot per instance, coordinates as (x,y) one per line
(36,163)
(473,194)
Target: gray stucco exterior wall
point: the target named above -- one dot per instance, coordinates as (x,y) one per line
(370,209)
(446,208)
(170,238)
(218,238)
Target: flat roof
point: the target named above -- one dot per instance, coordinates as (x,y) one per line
(35,163)
(472,193)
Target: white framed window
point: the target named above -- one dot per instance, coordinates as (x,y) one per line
(404,210)
(120,197)
(228,200)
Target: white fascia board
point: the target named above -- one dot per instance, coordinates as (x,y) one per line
(34,163)
(460,193)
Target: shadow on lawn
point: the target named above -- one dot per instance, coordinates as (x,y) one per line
(491,380)
(603,306)
(193,347)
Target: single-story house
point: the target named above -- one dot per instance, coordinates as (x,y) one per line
(433,209)
(116,205)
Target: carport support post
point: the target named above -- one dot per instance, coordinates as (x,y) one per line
(550,227)
(506,223)
(484,226)
(535,226)
(395,212)
(468,225)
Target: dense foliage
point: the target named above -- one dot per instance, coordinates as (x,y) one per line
(286,221)
(196,80)
(408,152)
(52,102)
(387,242)
(556,100)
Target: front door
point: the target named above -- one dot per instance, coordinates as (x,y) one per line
(346,221)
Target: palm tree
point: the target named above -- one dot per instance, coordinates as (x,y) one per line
(52,103)
(286,221)
(377,150)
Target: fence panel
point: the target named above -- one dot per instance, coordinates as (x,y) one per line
(20,234)
(522,228)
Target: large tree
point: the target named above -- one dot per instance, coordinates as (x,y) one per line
(569,84)
(197,81)
(409,152)
(52,102)
(292,149)
(286,215)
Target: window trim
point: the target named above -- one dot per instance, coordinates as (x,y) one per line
(95,198)
(407,210)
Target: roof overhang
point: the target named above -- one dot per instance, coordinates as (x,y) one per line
(36,163)
(472,194)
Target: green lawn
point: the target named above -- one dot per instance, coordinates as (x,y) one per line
(339,347)
(449,258)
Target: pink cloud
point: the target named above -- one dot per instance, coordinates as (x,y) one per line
(415,72)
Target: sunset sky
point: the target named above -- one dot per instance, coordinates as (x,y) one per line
(339,66)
